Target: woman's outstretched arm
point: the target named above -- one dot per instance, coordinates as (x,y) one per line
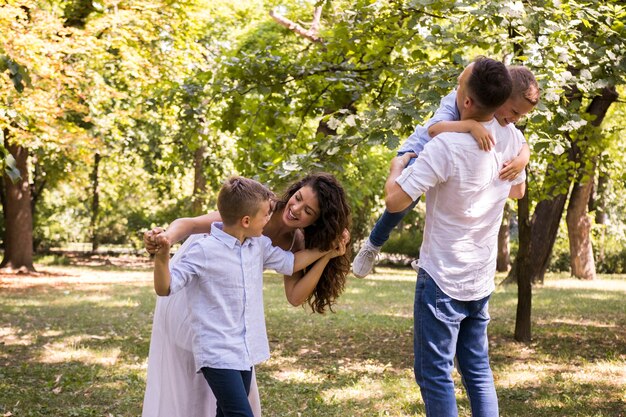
(300,286)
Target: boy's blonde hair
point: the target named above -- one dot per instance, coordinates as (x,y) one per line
(239,197)
(524,84)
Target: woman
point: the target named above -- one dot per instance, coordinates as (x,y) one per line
(313,213)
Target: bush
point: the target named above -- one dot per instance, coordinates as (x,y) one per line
(406,238)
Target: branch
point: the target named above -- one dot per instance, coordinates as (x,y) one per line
(311,34)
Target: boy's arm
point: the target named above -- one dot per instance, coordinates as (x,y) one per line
(162,276)
(180,229)
(477,130)
(516,165)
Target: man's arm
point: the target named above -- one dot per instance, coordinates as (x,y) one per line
(396,199)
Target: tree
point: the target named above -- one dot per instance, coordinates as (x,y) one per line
(578,222)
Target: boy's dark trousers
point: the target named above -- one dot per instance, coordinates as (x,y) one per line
(231,389)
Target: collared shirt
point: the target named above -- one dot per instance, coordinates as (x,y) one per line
(464,204)
(223,279)
(447,111)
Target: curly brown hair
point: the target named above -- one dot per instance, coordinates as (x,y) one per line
(324,233)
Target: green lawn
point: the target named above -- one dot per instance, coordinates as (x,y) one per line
(74,342)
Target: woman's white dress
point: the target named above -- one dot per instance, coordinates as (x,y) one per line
(173,388)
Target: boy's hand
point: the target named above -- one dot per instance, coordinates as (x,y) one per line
(512,169)
(482,136)
(148,240)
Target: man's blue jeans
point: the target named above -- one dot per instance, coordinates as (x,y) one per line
(387,221)
(445,327)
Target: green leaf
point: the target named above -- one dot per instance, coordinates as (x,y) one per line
(10,168)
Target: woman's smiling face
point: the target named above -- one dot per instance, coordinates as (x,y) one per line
(302,209)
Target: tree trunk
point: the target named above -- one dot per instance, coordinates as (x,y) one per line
(199,181)
(579,231)
(18,238)
(95,203)
(524,281)
(503,261)
(598,203)
(578,223)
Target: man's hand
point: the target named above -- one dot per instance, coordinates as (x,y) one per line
(400,162)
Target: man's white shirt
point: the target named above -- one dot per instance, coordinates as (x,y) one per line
(464,205)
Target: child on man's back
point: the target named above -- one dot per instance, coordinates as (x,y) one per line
(523,99)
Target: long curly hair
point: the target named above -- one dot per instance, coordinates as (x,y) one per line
(324,233)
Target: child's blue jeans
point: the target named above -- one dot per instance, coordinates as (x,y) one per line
(445,327)
(387,221)
(231,389)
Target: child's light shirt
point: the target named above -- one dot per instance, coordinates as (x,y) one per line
(224,282)
(447,111)
(464,204)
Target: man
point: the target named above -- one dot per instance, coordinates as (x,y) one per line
(464,205)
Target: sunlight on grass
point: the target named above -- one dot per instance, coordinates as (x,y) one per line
(365,389)
(369,366)
(298,376)
(72,349)
(10,337)
(525,374)
(580,322)
(610,372)
(407,315)
(605,284)
(393,274)
(354,290)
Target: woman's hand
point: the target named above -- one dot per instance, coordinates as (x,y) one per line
(341,245)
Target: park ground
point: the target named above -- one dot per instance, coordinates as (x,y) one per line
(74,342)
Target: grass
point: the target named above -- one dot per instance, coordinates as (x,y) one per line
(74,342)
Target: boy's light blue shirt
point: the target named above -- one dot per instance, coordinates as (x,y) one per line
(224,283)
(447,111)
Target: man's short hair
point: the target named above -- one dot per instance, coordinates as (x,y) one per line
(239,197)
(489,84)
(524,84)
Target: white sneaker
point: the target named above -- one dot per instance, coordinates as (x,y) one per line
(365,259)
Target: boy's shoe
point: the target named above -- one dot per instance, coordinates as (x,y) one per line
(365,259)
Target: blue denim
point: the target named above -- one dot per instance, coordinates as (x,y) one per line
(445,327)
(387,221)
(231,388)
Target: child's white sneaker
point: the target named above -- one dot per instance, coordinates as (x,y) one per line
(365,259)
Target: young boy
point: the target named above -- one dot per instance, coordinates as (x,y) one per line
(524,97)
(223,276)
